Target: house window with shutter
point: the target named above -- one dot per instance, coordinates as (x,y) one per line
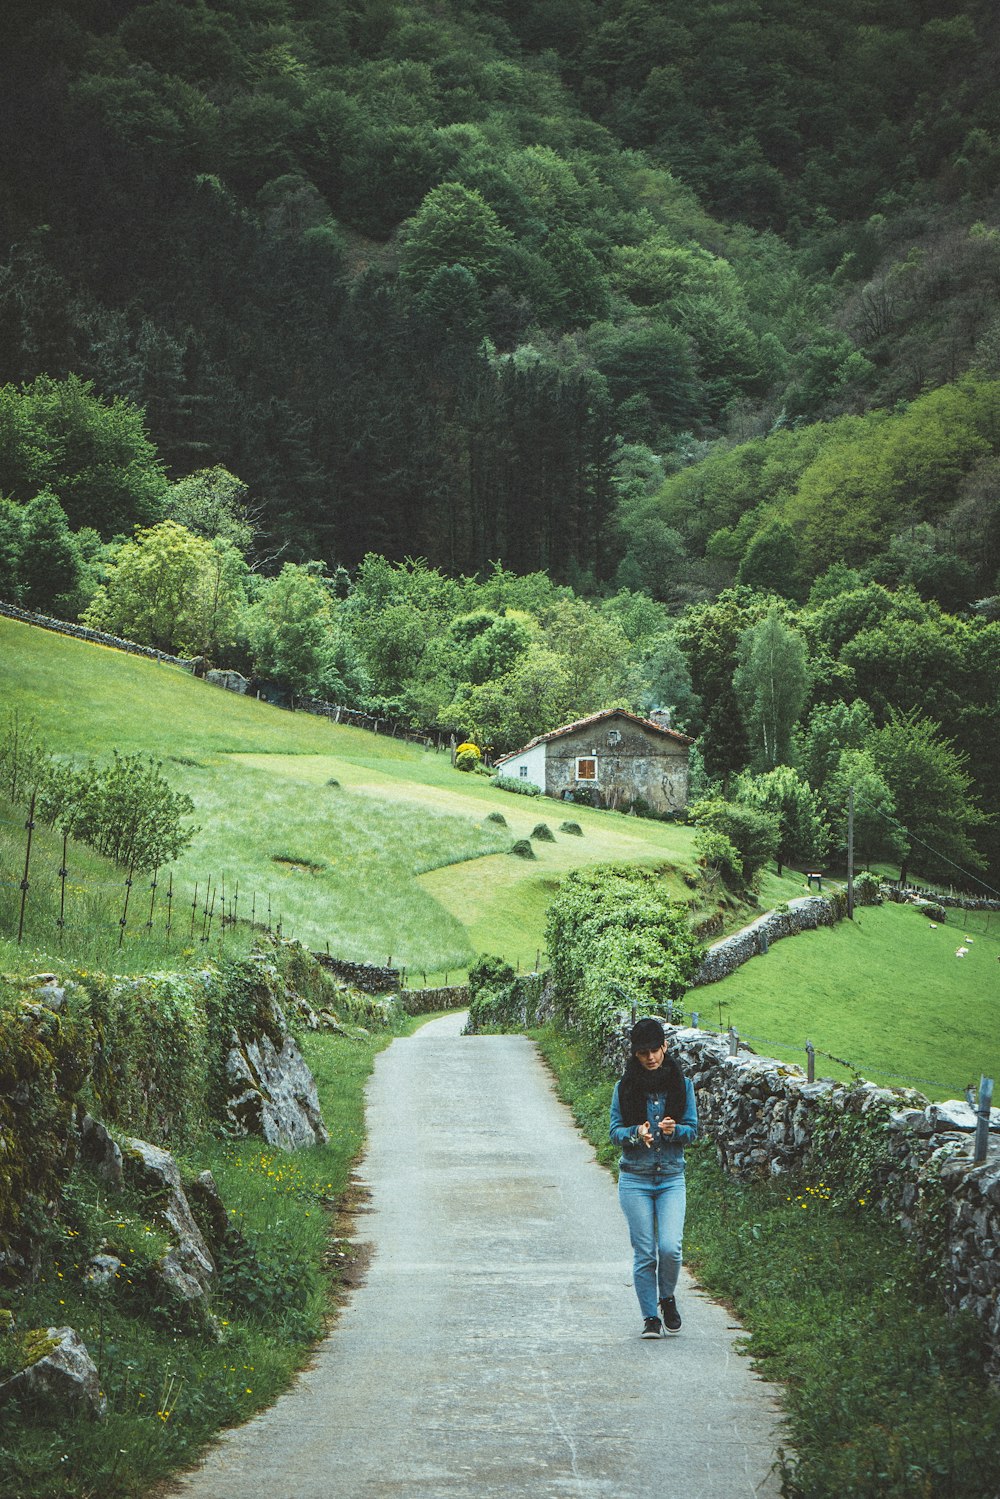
(586,769)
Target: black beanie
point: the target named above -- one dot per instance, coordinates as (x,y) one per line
(647,1035)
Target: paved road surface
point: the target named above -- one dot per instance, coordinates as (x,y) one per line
(493,1351)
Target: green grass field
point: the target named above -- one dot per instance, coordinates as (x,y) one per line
(397,859)
(886,993)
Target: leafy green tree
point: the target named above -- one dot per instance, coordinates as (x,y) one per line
(771,562)
(718,858)
(933,793)
(803,834)
(290,630)
(503,714)
(755,834)
(172,590)
(50,570)
(453,226)
(213,503)
(709,635)
(831,729)
(877,831)
(771,683)
(10,550)
(392,644)
(593,651)
(127,810)
(93,455)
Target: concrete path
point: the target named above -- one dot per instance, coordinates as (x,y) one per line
(493,1351)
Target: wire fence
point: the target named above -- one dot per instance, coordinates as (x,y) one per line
(738,1039)
(49,899)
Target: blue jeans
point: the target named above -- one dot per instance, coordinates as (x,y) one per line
(654,1209)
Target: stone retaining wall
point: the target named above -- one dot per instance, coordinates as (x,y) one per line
(367,977)
(425,1001)
(806,912)
(762,1117)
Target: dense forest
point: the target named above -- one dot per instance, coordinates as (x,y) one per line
(665,335)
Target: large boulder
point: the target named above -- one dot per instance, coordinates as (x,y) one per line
(272,1093)
(61,1373)
(187,1269)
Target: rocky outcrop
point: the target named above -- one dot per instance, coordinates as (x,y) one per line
(61,1374)
(272,1093)
(187,1270)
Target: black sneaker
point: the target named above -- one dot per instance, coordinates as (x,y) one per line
(671,1316)
(651,1328)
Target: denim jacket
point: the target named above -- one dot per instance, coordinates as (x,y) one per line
(664,1157)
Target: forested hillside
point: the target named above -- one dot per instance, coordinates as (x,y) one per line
(468,280)
(666,335)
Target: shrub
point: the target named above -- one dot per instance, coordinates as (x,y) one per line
(753,833)
(465,760)
(616,937)
(523,849)
(934,912)
(500,999)
(718,857)
(126,810)
(469,749)
(867,889)
(515,784)
(543,833)
(571,827)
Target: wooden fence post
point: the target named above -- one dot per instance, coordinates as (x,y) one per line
(810,1062)
(734,1041)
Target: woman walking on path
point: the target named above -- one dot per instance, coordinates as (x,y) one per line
(653,1116)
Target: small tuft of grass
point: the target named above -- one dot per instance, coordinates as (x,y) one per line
(522,849)
(543,833)
(571,827)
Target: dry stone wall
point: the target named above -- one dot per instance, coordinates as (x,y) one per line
(97,637)
(766,1119)
(805,913)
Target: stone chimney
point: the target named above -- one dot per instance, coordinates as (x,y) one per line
(660,716)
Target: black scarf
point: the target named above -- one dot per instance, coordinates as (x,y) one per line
(636,1085)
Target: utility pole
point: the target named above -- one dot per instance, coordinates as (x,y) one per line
(850,854)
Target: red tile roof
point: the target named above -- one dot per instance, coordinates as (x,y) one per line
(583,723)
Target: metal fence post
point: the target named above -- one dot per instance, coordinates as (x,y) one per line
(983,1122)
(810,1062)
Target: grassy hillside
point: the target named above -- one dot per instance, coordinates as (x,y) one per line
(886,993)
(397,858)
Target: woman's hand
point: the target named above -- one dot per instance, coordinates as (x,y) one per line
(667,1125)
(645,1133)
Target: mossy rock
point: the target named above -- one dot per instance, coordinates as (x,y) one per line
(522,849)
(498,818)
(571,827)
(543,833)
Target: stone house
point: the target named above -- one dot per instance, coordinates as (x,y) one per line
(610,759)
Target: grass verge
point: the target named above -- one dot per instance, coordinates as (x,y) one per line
(170,1387)
(884,1394)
